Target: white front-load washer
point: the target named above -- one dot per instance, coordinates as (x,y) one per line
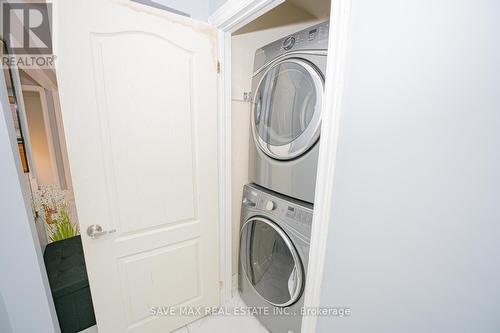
(288,83)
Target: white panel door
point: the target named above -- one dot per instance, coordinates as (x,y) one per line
(139,104)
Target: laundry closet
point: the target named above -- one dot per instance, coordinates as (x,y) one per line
(278,65)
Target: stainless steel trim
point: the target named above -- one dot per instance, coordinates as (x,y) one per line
(289,55)
(291,248)
(311,134)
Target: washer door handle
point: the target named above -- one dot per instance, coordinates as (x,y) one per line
(249,203)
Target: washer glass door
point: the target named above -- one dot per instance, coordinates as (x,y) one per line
(270,262)
(287,109)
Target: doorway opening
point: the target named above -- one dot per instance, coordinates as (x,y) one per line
(277,84)
(33,98)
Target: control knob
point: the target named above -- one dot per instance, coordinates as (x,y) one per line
(270,205)
(288,43)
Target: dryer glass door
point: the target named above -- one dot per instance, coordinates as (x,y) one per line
(270,262)
(287,109)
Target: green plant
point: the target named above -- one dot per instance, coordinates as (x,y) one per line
(53,208)
(63,228)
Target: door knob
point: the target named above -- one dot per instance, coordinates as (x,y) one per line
(95,230)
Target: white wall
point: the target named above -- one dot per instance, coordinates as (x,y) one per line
(215,4)
(5,326)
(277,23)
(24,289)
(414,239)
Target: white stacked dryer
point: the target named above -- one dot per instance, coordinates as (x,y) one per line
(288,83)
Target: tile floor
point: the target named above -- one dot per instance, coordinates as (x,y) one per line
(92,329)
(219,324)
(225,324)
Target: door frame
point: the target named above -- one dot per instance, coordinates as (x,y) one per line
(16,82)
(48,129)
(47,83)
(231,16)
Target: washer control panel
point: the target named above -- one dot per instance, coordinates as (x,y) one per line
(293,213)
(270,205)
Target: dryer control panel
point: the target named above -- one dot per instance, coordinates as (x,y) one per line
(312,38)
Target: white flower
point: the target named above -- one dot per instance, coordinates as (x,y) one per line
(50,198)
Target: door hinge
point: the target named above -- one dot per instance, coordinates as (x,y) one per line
(221,284)
(218,67)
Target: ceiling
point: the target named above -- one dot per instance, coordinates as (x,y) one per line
(287,13)
(317,8)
